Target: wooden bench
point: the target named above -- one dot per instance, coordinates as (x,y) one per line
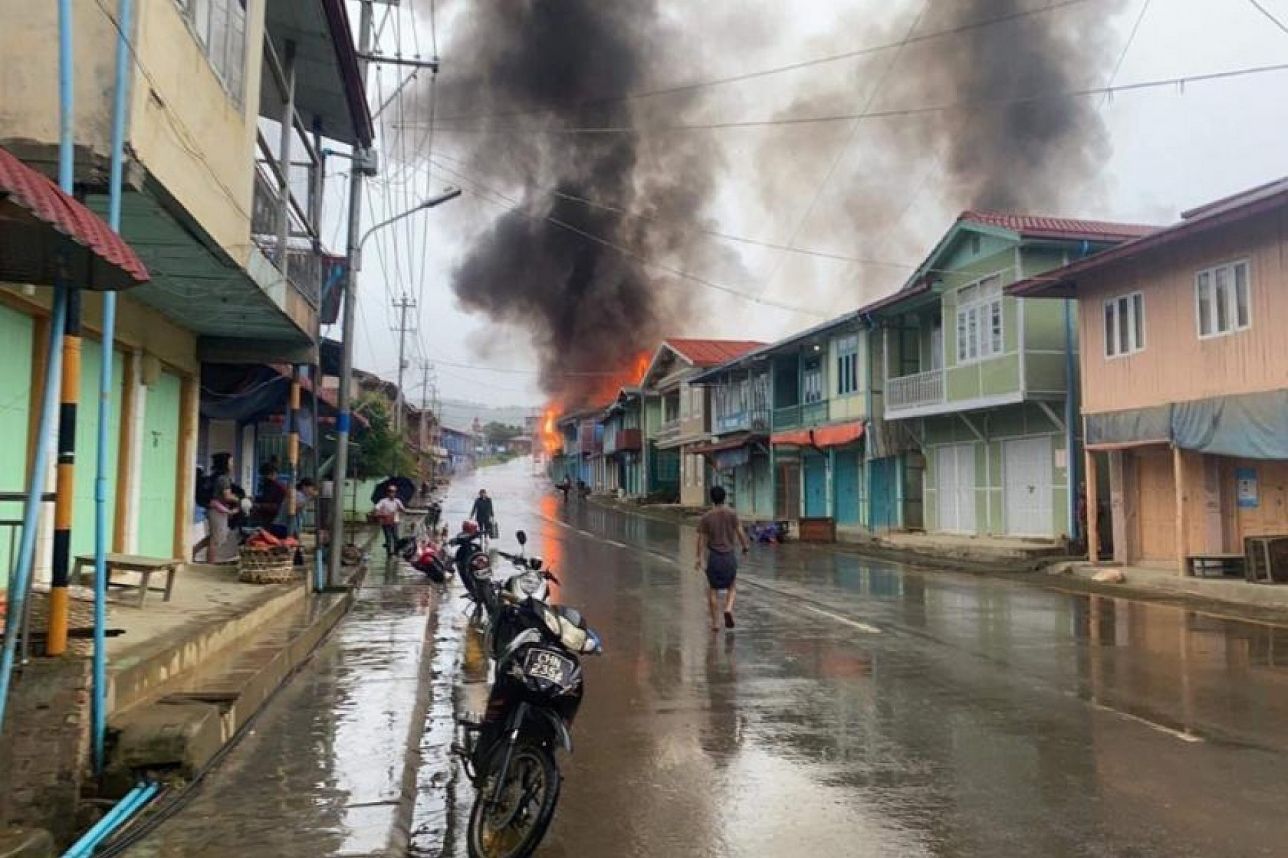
(1215,565)
(145,567)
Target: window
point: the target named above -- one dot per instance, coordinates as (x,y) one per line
(812,381)
(979,320)
(1124,325)
(220,29)
(847,365)
(1222,303)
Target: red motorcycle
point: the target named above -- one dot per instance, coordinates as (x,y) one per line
(427,554)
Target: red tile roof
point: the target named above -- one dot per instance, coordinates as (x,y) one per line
(109,263)
(1267,199)
(1040,226)
(705,353)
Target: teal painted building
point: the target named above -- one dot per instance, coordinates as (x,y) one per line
(985,383)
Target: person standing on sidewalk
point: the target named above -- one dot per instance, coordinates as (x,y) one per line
(720,534)
(389,513)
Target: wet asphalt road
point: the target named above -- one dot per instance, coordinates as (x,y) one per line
(863,709)
(860,709)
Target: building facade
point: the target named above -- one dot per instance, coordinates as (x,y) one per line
(983,382)
(1185,382)
(219,207)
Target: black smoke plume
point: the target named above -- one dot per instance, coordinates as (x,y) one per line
(546,65)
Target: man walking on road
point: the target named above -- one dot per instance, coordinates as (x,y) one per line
(719,536)
(483,514)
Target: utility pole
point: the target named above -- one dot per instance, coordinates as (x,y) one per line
(354,249)
(402,304)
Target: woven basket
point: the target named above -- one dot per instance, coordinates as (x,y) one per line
(274,564)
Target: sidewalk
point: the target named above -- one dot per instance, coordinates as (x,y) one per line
(1038,564)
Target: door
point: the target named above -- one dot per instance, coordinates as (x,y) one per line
(17,332)
(955,482)
(815,487)
(846,486)
(788,502)
(87,446)
(882,515)
(159,467)
(1027,465)
(1155,504)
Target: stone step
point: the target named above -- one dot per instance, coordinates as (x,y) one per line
(186,720)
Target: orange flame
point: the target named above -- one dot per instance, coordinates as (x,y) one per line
(601,397)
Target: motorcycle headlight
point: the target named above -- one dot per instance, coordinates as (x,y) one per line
(572,637)
(549,618)
(529,583)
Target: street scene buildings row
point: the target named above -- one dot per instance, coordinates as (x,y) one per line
(1073,381)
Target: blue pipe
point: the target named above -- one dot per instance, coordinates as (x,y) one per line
(98,706)
(53,371)
(120,813)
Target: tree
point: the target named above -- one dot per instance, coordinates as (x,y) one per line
(499,433)
(379,452)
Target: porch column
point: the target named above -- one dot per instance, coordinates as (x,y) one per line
(284,158)
(126,457)
(1119,494)
(293,446)
(1093,514)
(189,405)
(1178,474)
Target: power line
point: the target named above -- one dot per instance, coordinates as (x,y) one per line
(492,195)
(1270,15)
(721,81)
(1178,83)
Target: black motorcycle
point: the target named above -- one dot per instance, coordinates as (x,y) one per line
(509,755)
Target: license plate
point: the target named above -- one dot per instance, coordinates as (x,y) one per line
(543,664)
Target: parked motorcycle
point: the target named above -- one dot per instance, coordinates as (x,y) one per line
(427,554)
(509,755)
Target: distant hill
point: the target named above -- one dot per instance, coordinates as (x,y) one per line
(459,413)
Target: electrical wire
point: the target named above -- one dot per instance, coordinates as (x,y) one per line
(1269,15)
(1179,83)
(491,195)
(744,76)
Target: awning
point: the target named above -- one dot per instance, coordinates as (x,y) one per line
(835,435)
(36,221)
(733,442)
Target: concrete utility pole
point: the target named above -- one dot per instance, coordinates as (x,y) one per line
(340,471)
(402,304)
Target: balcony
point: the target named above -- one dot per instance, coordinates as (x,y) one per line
(753,420)
(667,432)
(914,391)
(622,441)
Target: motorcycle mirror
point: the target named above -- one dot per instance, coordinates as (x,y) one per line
(522,537)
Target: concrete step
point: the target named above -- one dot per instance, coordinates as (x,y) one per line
(136,673)
(185,721)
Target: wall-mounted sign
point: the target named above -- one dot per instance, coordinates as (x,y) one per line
(1245,481)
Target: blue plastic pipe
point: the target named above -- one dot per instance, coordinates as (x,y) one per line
(120,95)
(120,813)
(53,372)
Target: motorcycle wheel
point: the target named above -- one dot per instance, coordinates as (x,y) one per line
(525,803)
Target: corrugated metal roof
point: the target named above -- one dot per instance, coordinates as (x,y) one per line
(705,353)
(111,264)
(1043,226)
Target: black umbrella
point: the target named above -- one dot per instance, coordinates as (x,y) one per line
(406,489)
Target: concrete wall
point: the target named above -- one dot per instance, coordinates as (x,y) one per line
(1175,365)
(184,128)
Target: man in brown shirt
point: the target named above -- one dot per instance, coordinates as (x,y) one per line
(719,536)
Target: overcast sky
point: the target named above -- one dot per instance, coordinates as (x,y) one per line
(1171,149)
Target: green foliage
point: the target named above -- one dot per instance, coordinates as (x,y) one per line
(499,433)
(378,451)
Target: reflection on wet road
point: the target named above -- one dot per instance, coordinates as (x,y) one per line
(862,708)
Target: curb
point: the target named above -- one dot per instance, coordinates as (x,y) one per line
(400,834)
